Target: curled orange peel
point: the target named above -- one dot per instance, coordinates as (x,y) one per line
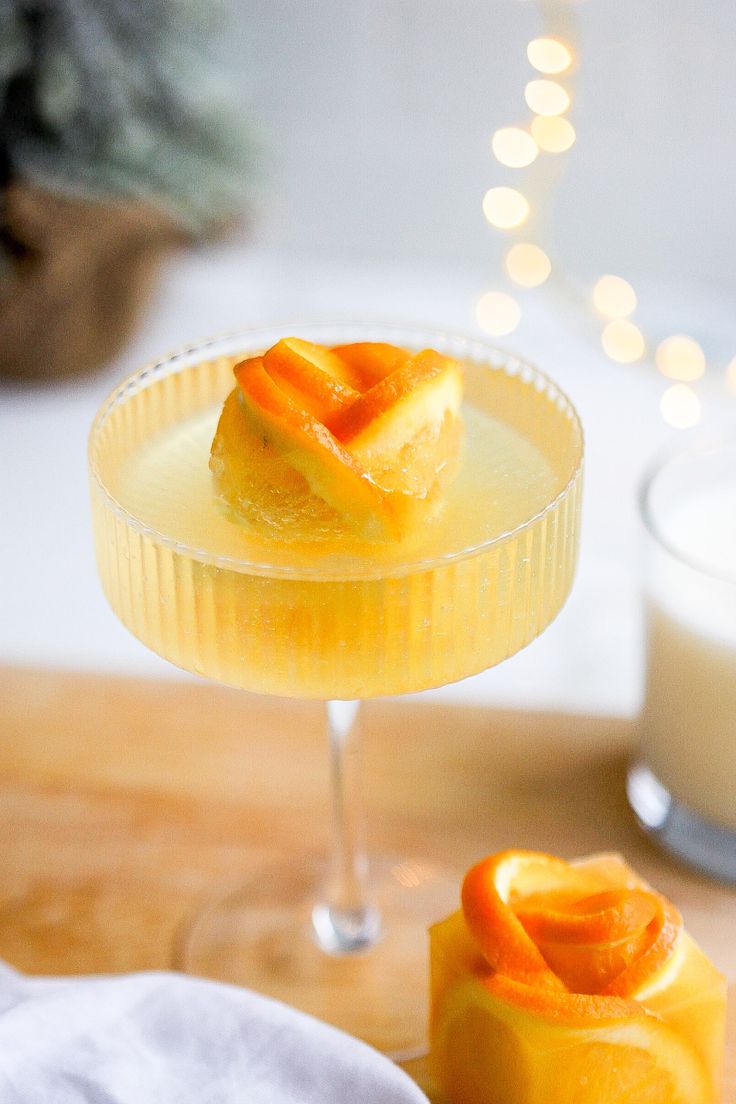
(499,933)
(370,361)
(611,915)
(311,376)
(607,942)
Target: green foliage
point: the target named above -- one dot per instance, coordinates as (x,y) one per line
(131,98)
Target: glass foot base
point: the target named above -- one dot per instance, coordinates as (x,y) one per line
(262,936)
(697,841)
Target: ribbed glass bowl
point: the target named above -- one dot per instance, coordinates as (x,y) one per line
(327,627)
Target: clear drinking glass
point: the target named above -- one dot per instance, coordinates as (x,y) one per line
(341,941)
(683,785)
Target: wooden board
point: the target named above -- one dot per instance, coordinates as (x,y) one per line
(123,803)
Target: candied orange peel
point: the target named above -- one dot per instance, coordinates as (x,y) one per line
(571,982)
(318,441)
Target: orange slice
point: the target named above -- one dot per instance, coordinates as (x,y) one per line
(491,1048)
(571,982)
(689,994)
(307,446)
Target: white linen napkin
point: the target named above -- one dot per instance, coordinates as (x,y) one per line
(162,1038)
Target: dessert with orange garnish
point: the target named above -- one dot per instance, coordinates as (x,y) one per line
(571,983)
(319,443)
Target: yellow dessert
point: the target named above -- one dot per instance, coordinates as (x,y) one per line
(356,440)
(571,983)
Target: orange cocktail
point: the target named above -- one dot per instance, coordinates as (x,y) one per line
(352,619)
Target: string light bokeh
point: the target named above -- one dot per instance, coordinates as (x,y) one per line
(513,208)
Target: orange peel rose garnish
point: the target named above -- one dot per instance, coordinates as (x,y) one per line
(571,982)
(356,439)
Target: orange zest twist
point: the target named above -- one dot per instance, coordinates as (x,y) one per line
(572,982)
(359,437)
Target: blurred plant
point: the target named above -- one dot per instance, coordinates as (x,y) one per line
(123,98)
(119,122)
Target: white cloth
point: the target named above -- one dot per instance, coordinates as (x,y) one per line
(161,1038)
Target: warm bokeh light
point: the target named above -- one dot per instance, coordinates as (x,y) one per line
(549,55)
(497,313)
(527,264)
(731,376)
(680,406)
(614,297)
(622,341)
(514,147)
(505,208)
(553,134)
(680,358)
(546,97)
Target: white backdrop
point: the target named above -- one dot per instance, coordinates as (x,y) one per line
(377,117)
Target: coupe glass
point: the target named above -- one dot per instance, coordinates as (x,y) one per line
(340,941)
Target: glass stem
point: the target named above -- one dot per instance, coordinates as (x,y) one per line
(344,920)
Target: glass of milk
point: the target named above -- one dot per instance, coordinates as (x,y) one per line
(682,787)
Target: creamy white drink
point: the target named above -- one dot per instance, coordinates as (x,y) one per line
(689,719)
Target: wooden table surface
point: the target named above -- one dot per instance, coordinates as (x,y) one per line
(125,803)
